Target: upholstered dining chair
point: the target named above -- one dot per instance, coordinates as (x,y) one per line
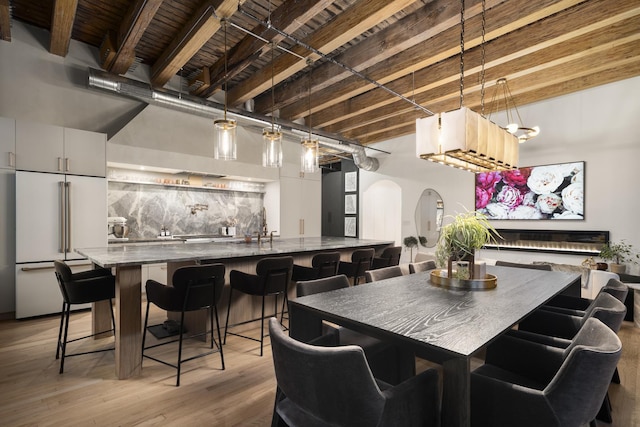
(524,383)
(382,273)
(388,362)
(323,264)
(564,325)
(361,260)
(333,386)
(417,267)
(81,288)
(192,288)
(390,256)
(557,327)
(568,304)
(272,278)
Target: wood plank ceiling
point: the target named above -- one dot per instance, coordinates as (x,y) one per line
(545,48)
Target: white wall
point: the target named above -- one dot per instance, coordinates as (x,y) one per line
(596,125)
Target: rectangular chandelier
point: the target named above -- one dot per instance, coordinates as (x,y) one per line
(466,140)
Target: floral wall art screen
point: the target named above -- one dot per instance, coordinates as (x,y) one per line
(537,192)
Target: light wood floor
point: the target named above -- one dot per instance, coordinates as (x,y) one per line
(32,393)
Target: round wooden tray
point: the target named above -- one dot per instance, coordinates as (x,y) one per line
(439,278)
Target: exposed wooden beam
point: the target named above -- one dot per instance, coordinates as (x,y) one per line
(501,19)
(63,15)
(413,29)
(352,22)
(586,70)
(289,17)
(5,21)
(202,26)
(133,26)
(519,53)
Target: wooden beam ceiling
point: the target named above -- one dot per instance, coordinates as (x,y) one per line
(63,15)
(520,52)
(357,19)
(289,17)
(544,48)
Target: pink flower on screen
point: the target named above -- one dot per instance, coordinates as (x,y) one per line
(487,180)
(483,197)
(517,177)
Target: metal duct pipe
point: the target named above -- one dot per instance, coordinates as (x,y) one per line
(140,91)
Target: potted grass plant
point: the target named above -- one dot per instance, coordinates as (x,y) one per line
(459,240)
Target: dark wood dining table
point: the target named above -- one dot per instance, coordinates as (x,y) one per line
(445,326)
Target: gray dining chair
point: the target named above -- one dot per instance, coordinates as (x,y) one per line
(524,383)
(334,386)
(388,362)
(417,267)
(382,273)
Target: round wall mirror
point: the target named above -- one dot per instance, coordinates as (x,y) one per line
(429,212)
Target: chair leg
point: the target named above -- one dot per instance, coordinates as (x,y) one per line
(144,330)
(226,324)
(180,349)
(113,316)
(219,337)
(262,325)
(66,332)
(60,331)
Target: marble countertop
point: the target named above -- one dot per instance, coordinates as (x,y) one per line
(129,255)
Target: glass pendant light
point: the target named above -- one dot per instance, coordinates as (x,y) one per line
(272,137)
(224,142)
(309,158)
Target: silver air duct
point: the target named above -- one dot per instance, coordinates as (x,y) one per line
(140,91)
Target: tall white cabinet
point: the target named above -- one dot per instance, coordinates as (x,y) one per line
(59,202)
(7,214)
(300,204)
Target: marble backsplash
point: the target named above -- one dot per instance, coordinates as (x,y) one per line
(148,208)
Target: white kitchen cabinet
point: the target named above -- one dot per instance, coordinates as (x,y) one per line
(85,152)
(39,147)
(48,148)
(300,207)
(37,289)
(7,143)
(157,272)
(7,240)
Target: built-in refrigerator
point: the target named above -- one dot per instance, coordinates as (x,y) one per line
(55,214)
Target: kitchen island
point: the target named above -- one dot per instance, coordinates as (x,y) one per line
(128,259)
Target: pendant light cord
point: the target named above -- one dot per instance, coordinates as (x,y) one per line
(482,75)
(226,78)
(461,53)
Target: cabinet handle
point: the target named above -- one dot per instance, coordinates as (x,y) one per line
(301,224)
(69,246)
(61,234)
(67,164)
(59,164)
(12,159)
